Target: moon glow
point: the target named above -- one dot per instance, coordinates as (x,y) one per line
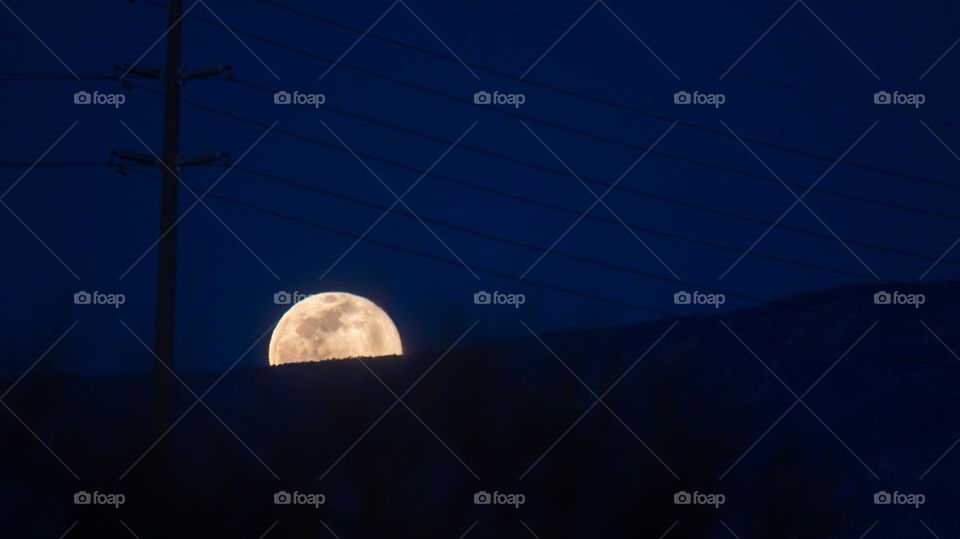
(333,325)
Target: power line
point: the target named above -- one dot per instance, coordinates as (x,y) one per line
(560,127)
(45,77)
(392,246)
(825,191)
(706,65)
(539,249)
(651,276)
(619,187)
(423,254)
(499,274)
(331,194)
(427,255)
(451,226)
(516,243)
(60,164)
(620,106)
(415,252)
(313,140)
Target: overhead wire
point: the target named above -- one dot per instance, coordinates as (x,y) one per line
(604,101)
(337,147)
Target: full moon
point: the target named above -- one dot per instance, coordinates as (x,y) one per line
(333,325)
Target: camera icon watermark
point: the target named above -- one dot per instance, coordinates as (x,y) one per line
(483,497)
(683,297)
(288,298)
(899,298)
(83,497)
(84,97)
(98,298)
(484,97)
(897,98)
(883,497)
(684,97)
(699,498)
(497,298)
(297,98)
(314,499)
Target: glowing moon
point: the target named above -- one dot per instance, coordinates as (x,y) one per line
(333,325)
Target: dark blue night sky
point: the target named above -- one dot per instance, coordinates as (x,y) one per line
(800,99)
(750,174)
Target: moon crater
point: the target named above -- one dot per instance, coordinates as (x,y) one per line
(333,325)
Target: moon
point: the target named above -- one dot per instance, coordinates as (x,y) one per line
(333,325)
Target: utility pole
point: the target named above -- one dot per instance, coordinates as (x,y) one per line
(171,165)
(163,481)
(167,260)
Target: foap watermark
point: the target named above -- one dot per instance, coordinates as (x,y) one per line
(314,499)
(898,98)
(699,298)
(496,98)
(698,98)
(498,298)
(99,498)
(299,98)
(699,498)
(98,298)
(899,498)
(899,298)
(499,498)
(84,97)
(288,298)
